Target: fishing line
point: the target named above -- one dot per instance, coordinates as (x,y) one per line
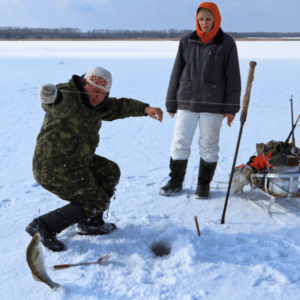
(196,102)
(186,101)
(217,187)
(213,187)
(257,186)
(180,101)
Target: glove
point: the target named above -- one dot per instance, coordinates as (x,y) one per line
(48,93)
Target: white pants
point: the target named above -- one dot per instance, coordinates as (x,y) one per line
(186,123)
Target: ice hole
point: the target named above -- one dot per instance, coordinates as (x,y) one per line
(161,248)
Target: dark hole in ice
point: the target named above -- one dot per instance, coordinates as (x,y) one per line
(161,248)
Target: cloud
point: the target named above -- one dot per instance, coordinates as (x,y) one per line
(237,15)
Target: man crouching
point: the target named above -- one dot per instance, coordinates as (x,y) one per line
(64,160)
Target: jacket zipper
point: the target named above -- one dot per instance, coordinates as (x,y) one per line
(199,73)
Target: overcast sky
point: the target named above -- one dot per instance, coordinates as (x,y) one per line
(237,15)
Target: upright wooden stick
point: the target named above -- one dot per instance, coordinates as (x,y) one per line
(197,226)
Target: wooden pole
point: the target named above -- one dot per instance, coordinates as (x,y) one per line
(243,118)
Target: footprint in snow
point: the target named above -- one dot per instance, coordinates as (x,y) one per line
(151,183)
(35,185)
(225,159)
(135,177)
(258,282)
(144,279)
(241,241)
(155,169)
(5,203)
(219,276)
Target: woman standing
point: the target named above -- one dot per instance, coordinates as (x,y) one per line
(205,88)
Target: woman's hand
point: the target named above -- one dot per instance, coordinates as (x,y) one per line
(230,118)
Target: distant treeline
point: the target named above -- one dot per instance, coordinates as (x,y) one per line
(75,33)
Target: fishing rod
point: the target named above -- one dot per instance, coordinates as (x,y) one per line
(293,139)
(287,140)
(243,118)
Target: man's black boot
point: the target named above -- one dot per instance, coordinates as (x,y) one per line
(174,185)
(205,176)
(96,225)
(54,222)
(48,238)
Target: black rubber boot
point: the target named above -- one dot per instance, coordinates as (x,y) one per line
(54,222)
(174,185)
(47,238)
(96,225)
(205,176)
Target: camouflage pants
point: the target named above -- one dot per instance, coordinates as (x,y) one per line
(86,186)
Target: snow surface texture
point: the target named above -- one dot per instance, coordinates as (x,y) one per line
(252,256)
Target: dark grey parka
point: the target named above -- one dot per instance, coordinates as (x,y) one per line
(205,78)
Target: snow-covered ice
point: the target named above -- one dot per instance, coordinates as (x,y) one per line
(252,256)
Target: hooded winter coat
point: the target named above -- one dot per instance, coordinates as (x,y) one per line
(206,74)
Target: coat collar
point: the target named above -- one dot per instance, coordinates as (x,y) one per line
(218,39)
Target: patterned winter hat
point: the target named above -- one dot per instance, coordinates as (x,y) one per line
(99,77)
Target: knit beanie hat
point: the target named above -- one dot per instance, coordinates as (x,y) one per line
(99,77)
(206,13)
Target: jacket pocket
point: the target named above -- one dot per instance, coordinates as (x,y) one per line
(185,90)
(213,93)
(219,59)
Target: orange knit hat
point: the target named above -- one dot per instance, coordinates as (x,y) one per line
(205,38)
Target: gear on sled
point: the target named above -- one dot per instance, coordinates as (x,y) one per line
(274,172)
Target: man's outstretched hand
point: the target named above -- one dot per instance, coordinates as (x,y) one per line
(154,112)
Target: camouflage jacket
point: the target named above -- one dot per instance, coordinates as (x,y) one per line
(69,134)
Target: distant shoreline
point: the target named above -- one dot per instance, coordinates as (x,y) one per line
(148,39)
